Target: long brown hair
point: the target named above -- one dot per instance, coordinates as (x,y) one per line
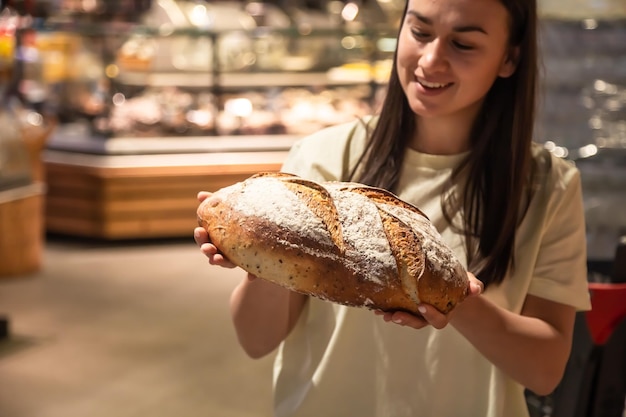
(499,168)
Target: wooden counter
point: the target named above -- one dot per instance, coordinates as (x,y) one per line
(128,196)
(21,223)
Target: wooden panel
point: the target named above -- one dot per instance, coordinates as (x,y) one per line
(148,228)
(93,199)
(74,226)
(21,223)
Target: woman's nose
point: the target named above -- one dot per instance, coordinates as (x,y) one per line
(433,55)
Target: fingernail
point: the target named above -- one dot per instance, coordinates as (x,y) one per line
(421,309)
(397,321)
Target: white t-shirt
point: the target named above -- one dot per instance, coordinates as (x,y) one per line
(346,362)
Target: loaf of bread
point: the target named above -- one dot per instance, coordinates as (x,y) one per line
(343,242)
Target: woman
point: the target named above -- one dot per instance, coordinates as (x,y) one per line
(454,137)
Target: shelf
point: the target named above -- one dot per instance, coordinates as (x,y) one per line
(214,162)
(74,138)
(252,80)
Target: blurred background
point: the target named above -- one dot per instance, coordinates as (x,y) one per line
(114,114)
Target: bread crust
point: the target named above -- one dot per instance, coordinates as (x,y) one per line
(342,242)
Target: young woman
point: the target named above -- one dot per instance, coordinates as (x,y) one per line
(454,137)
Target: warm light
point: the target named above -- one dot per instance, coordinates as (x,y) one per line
(112,71)
(35,119)
(595,122)
(587,151)
(89,5)
(386,44)
(549,145)
(350,11)
(118,99)
(560,152)
(348,42)
(199,16)
(199,117)
(590,24)
(240,107)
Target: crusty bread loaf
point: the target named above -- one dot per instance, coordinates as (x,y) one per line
(343,242)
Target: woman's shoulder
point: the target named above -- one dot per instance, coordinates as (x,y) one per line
(551,169)
(330,153)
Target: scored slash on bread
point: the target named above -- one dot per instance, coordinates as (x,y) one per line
(317,198)
(344,242)
(407,252)
(319,201)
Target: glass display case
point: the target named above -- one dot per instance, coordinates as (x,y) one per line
(189,96)
(196,70)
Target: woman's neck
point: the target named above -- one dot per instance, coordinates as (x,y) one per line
(443,135)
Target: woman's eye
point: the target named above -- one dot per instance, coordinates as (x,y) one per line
(419,35)
(462,46)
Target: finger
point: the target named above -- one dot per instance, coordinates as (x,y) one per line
(203,195)
(200,235)
(215,257)
(209,249)
(386,315)
(219,260)
(433,316)
(476,286)
(405,319)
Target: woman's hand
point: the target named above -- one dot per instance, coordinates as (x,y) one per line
(429,314)
(201,237)
(263,313)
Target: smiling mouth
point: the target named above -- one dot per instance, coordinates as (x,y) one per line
(432,85)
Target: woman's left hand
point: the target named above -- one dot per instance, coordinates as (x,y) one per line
(429,314)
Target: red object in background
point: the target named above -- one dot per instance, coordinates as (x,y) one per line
(608,309)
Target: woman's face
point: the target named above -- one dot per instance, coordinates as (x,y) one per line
(449,54)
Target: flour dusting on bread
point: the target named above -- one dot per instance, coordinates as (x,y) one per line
(343,242)
(268,198)
(368,249)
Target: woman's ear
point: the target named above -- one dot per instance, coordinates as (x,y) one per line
(509,65)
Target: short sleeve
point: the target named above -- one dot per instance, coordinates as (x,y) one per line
(561,267)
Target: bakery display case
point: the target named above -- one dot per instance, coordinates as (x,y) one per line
(192,96)
(194,69)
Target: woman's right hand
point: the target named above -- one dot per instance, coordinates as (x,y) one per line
(263,312)
(201,236)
